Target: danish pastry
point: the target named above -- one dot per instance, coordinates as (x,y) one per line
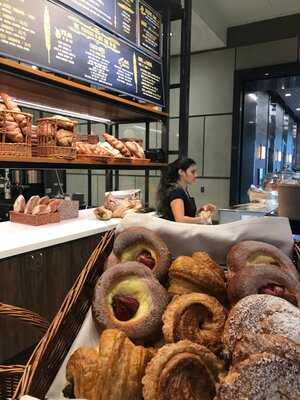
(129,298)
(197,317)
(263,279)
(144,246)
(197,274)
(182,370)
(253,253)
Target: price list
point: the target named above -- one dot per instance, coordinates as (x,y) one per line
(150,28)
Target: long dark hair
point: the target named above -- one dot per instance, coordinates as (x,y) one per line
(168,182)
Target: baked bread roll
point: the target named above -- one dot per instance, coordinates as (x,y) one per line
(182,370)
(143,246)
(31,203)
(196,317)
(63,122)
(109,149)
(114,371)
(117,144)
(54,204)
(261,314)
(19,204)
(103,214)
(44,200)
(12,106)
(135,149)
(197,274)
(252,253)
(129,298)
(271,373)
(263,279)
(41,209)
(64,138)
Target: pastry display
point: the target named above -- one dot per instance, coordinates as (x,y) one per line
(144,246)
(197,317)
(117,144)
(271,371)
(200,350)
(263,279)
(197,274)
(182,370)
(253,253)
(261,314)
(129,298)
(114,371)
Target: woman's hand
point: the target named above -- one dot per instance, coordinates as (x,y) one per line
(208,207)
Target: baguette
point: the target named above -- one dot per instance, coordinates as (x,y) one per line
(135,149)
(117,144)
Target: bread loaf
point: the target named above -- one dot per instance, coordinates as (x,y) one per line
(117,144)
(12,106)
(19,204)
(54,204)
(31,203)
(41,209)
(64,138)
(44,200)
(135,149)
(64,122)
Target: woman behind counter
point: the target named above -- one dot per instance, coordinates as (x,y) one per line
(174,200)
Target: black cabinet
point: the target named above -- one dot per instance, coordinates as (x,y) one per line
(39,281)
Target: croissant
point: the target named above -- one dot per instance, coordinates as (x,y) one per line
(182,370)
(271,373)
(199,274)
(117,144)
(114,372)
(197,317)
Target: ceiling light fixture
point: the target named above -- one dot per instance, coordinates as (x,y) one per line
(297,109)
(288,94)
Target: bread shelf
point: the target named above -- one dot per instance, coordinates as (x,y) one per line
(57,163)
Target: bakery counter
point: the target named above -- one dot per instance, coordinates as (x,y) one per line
(19,239)
(38,267)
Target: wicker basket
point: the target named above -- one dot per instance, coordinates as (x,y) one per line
(50,353)
(35,220)
(11,374)
(47,129)
(15,150)
(91,139)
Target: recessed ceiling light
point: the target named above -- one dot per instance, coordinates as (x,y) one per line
(288,94)
(297,109)
(252,96)
(283,87)
(267,74)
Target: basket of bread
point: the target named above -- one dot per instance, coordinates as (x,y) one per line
(139,324)
(42,210)
(56,137)
(15,129)
(119,204)
(111,151)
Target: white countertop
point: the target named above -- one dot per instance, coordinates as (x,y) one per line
(19,238)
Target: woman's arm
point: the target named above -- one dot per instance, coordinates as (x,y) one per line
(177,207)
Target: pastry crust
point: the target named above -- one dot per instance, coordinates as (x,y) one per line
(263,279)
(261,314)
(265,375)
(19,204)
(130,290)
(182,370)
(114,372)
(189,274)
(252,253)
(130,243)
(197,317)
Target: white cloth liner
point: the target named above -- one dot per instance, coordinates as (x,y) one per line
(184,239)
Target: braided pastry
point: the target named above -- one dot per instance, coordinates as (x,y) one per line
(117,144)
(182,370)
(197,317)
(197,274)
(113,372)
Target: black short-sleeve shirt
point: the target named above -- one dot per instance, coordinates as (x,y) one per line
(190,207)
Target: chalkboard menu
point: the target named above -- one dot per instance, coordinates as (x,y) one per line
(150,28)
(51,36)
(100,11)
(126,19)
